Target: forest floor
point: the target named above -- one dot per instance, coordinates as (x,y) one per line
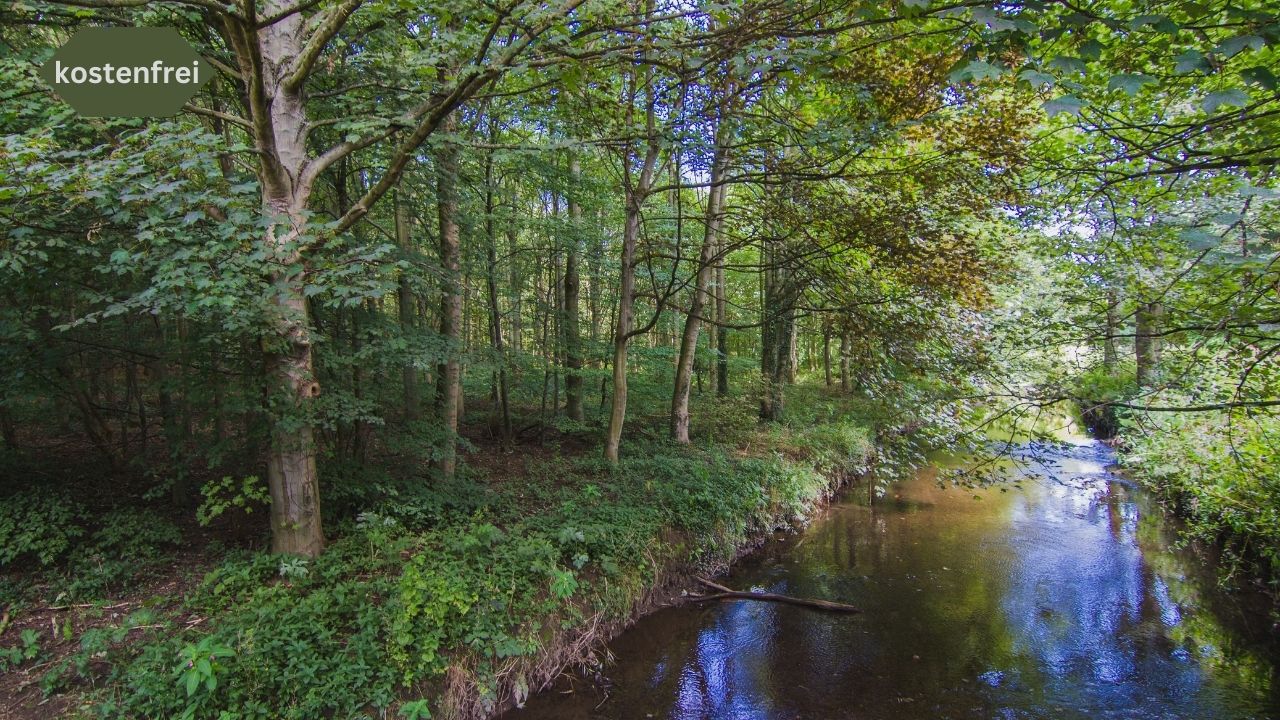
(393,616)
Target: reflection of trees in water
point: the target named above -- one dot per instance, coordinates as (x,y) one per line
(1063,600)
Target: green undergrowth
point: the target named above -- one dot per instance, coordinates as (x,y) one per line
(1218,470)
(451,599)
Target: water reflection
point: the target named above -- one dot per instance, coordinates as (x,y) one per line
(1059,600)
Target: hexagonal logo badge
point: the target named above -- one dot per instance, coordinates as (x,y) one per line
(126,72)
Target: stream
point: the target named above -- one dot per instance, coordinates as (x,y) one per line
(1060,596)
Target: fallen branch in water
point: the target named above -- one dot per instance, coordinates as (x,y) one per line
(725,593)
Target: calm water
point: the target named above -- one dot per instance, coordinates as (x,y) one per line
(1062,599)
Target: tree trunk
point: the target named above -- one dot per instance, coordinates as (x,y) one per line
(846,382)
(450,371)
(622,330)
(826,354)
(637,189)
(407,304)
(266,56)
(1147,342)
(572,290)
(777,332)
(1109,354)
(501,395)
(722,331)
(701,283)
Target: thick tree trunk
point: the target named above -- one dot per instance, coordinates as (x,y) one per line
(279,127)
(701,285)
(8,430)
(450,371)
(572,290)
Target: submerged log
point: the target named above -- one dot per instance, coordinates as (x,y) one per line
(725,593)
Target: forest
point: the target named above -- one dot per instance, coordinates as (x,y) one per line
(431,344)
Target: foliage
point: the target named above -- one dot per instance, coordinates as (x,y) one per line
(38,526)
(226,494)
(1097,388)
(389,608)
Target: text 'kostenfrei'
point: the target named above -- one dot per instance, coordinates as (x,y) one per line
(156,73)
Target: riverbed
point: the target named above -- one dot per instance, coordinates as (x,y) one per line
(1058,594)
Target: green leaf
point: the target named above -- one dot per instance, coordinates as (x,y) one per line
(976,70)
(1199,238)
(1065,104)
(1066,63)
(193,682)
(1260,76)
(1131,83)
(1238,44)
(1191,61)
(1091,50)
(1234,96)
(1159,22)
(1036,78)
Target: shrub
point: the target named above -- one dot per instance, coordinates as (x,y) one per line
(38,527)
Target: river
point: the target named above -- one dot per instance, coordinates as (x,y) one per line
(1063,597)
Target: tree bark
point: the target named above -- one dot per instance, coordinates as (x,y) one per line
(722,331)
(622,330)
(1147,342)
(846,381)
(450,371)
(277,106)
(572,289)
(701,286)
(407,305)
(1109,353)
(501,394)
(826,354)
(637,190)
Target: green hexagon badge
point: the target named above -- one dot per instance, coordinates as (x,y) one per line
(126,72)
